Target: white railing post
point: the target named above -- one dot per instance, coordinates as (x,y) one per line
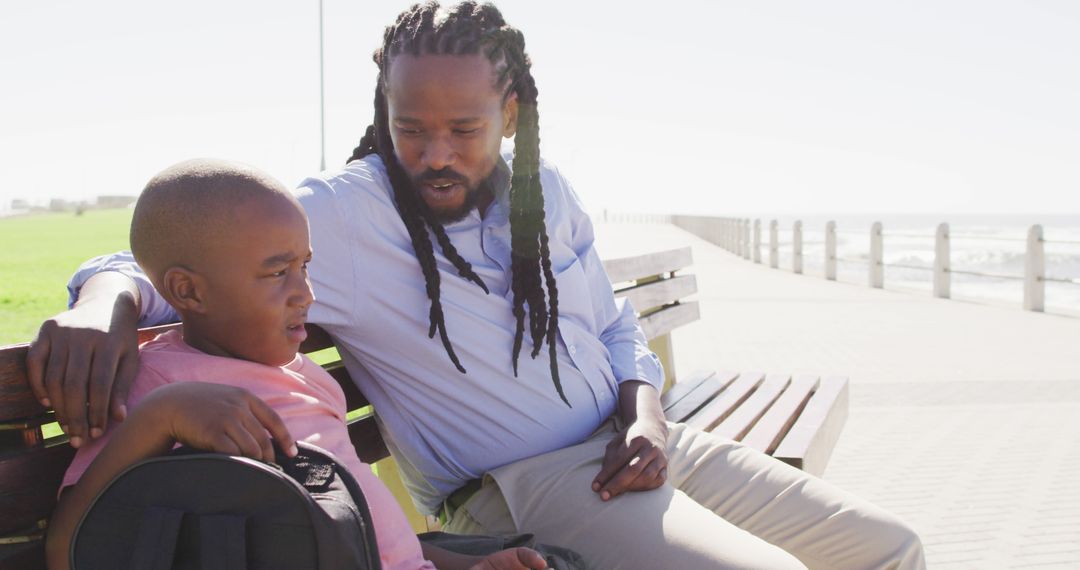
(774,253)
(942,278)
(1035,271)
(736,239)
(877,261)
(736,229)
(757,241)
(796,247)
(746,238)
(830,251)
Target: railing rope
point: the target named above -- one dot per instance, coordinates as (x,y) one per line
(877,252)
(942,283)
(1035,271)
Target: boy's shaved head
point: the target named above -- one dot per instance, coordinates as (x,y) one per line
(191,205)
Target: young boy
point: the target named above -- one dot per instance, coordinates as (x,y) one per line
(227,246)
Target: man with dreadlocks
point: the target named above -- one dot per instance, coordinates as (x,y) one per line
(430,231)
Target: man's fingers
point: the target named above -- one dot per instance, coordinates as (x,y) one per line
(102,372)
(125,375)
(75,380)
(627,478)
(651,477)
(614,459)
(36,358)
(273,423)
(54,383)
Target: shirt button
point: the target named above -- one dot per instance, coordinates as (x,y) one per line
(573,349)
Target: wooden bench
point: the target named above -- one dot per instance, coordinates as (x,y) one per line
(795,419)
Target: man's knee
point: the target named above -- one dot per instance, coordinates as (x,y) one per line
(896,544)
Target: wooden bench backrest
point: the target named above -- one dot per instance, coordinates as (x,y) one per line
(34,455)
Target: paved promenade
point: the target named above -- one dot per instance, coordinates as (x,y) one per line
(965,418)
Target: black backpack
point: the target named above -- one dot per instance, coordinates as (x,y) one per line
(212,511)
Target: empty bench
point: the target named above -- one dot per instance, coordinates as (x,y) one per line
(795,419)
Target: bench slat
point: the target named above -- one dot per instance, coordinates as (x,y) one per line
(668,319)
(721,407)
(768,431)
(29,556)
(29,480)
(754,408)
(317,339)
(638,266)
(811,440)
(683,387)
(16,399)
(354,398)
(704,390)
(365,437)
(657,293)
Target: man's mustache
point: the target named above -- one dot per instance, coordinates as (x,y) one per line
(448,174)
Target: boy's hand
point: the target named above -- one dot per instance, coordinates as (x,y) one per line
(513,559)
(220,418)
(83,361)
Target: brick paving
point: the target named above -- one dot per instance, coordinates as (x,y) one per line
(965,417)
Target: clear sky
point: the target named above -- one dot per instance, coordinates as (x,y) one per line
(713,107)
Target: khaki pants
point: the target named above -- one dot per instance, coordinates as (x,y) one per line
(724,506)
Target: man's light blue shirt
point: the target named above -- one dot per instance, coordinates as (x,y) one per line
(445,427)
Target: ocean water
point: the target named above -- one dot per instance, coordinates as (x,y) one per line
(986,244)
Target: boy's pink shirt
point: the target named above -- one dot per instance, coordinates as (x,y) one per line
(309,401)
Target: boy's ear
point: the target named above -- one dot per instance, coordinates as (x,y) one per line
(184,289)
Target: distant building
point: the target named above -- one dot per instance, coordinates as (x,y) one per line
(58,205)
(115,201)
(18,204)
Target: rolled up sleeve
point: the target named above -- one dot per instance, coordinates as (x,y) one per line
(153,310)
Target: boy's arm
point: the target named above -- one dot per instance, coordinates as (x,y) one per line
(214,417)
(509,559)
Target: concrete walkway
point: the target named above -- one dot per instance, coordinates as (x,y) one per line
(965,418)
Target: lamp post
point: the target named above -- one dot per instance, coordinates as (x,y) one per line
(322,96)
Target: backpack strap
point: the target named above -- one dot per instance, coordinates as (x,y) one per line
(223,542)
(156,542)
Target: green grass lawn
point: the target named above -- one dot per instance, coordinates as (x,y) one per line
(39,254)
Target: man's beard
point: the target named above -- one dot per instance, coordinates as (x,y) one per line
(449,216)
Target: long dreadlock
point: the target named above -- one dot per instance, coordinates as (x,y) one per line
(468,29)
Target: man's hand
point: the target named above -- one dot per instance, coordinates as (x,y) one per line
(513,559)
(220,418)
(635,460)
(83,361)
